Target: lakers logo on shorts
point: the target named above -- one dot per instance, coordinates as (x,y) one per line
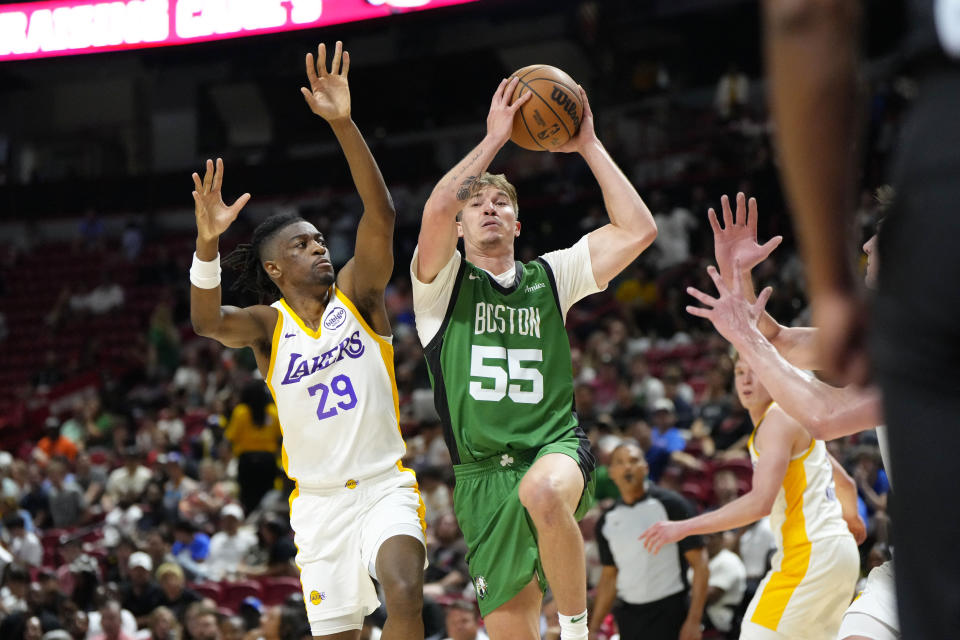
(350,484)
(316,597)
(480,584)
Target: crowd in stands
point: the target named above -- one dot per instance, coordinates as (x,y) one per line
(150,503)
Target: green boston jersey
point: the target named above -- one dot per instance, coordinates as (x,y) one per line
(500,364)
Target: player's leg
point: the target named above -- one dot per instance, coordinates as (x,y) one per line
(518,618)
(550,491)
(400,572)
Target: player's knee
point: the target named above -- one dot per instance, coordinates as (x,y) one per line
(542,496)
(404,595)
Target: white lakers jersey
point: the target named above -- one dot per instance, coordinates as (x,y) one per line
(806,508)
(336,396)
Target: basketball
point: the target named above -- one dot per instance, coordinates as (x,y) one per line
(552,116)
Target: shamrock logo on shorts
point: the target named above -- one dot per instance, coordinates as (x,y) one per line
(505,460)
(480,584)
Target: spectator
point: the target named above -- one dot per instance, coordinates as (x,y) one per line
(725,589)
(254,431)
(434,493)
(157,545)
(129,481)
(54,444)
(732,93)
(111,620)
(107,295)
(666,441)
(163,343)
(230,545)
(191,548)
(13,594)
(140,594)
(35,499)
(285,622)
(462,622)
(275,551)
(162,626)
(131,241)
(231,628)
(201,622)
(24,545)
(92,479)
(67,508)
(90,231)
(176,596)
(178,484)
(447,570)
(651,590)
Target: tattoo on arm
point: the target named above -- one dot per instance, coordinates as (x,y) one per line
(464,191)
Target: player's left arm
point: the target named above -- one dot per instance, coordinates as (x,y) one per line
(846,490)
(366,275)
(775,444)
(631,229)
(697,559)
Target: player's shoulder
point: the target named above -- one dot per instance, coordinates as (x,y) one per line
(778,425)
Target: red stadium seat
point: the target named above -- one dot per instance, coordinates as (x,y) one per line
(212,590)
(276,589)
(235,592)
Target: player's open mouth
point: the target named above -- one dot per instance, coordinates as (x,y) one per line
(489,223)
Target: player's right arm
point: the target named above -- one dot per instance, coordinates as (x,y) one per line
(438,229)
(846,490)
(775,443)
(736,241)
(827,412)
(603,601)
(231,326)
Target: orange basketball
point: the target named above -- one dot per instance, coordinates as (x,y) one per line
(552,116)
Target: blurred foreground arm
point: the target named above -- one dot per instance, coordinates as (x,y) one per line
(811,54)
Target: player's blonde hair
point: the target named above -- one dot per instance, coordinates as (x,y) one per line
(499,181)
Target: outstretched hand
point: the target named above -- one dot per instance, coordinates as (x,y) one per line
(502,111)
(329,93)
(660,534)
(737,239)
(213,215)
(732,315)
(585,135)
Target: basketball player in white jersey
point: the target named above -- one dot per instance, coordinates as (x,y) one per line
(324,349)
(780,356)
(814,571)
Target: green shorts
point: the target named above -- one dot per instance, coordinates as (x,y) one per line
(501,538)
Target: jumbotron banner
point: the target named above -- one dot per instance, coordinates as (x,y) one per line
(69,27)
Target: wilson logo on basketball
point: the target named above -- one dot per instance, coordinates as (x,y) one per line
(566,103)
(335,318)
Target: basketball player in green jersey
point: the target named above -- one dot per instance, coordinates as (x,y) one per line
(494,338)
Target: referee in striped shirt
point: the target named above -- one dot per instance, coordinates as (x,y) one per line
(649,594)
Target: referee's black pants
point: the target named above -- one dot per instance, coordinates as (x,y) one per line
(916,346)
(660,620)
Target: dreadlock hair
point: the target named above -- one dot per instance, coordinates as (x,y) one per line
(245,259)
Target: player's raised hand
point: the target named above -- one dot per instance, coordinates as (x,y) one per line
(661,533)
(329,93)
(737,239)
(502,110)
(213,215)
(586,134)
(731,314)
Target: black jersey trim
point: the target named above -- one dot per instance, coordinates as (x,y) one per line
(517,278)
(432,354)
(553,283)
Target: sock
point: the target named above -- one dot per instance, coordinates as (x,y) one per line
(573,627)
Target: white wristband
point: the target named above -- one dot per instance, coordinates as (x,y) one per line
(205,275)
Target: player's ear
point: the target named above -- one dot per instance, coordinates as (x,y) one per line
(272,269)
(516,233)
(459,229)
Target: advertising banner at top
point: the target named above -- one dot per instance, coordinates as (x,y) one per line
(69,27)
